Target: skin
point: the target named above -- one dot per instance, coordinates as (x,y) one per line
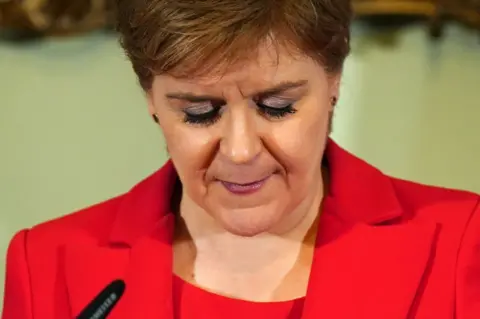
(256,246)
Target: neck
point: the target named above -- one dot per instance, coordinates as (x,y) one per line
(246,267)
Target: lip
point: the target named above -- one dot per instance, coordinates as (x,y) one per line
(244,188)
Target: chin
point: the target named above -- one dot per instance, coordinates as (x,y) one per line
(249,222)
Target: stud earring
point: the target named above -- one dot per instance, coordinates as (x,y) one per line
(334,100)
(155,118)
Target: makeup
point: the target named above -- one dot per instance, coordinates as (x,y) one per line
(244,189)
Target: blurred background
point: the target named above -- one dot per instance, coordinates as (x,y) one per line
(74,127)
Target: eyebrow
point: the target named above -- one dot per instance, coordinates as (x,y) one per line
(194,98)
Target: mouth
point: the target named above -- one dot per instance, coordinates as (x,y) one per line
(244,188)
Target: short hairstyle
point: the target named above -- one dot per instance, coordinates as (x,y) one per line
(192,37)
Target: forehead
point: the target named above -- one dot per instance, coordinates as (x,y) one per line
(268,66)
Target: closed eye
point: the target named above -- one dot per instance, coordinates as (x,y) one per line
(275,107)
(204,113)
(274,112)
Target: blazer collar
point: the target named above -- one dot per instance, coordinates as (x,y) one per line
(362,193)
(144,207)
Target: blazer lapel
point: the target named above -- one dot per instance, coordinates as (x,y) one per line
(146,268)
(370,261)
(368,272)
(89,269)
(148,292)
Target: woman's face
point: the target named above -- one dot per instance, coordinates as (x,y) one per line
(248,145)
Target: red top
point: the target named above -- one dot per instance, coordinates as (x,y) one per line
(190,301)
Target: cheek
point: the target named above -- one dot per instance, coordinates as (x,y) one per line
(301,140)
(189,147)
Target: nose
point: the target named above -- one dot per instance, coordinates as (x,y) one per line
(240,142)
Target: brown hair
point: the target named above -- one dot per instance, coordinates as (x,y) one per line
(187,37)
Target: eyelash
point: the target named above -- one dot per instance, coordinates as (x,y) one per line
(276,113)
(207,118)
(213,116)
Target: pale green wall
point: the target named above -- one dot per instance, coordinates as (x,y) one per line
(74,129)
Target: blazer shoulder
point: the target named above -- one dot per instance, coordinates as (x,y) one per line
(33,256)
(93,225)
(468,269)
(438,203)
(93,222)
(419,193)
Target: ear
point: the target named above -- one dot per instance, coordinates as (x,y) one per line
(150,102)
(334,85)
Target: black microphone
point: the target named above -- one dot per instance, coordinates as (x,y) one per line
(104,302)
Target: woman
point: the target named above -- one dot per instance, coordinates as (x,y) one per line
(258,214)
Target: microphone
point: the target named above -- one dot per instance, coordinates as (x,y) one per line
(104,302)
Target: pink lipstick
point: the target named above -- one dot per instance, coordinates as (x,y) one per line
(244,189)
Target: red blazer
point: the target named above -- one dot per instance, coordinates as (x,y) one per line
(386,249)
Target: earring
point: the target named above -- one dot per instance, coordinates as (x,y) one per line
(155,117)
(334,100)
